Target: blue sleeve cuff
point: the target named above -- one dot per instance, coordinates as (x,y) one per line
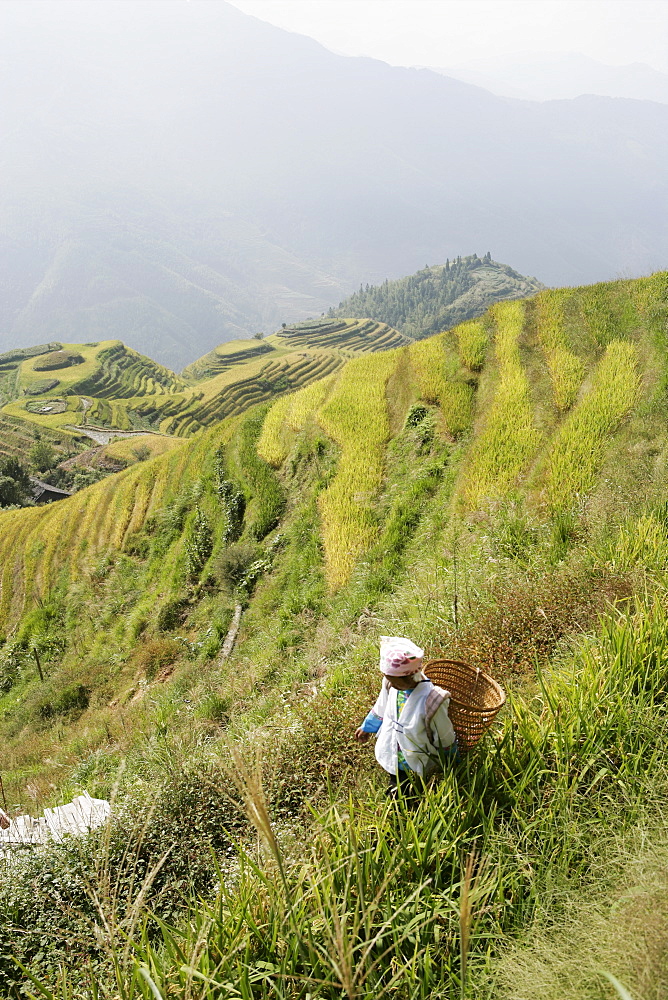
(372,723)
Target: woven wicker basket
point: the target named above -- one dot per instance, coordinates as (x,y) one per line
(475,698)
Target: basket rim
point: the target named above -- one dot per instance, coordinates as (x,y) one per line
(479,672)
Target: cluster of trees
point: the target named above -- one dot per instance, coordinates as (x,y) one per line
(15,485)
(421,304)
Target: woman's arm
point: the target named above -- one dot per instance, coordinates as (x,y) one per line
(371,725)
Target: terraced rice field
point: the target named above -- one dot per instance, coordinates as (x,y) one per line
(224,357)
(356,417)
(236,390)
(508,436)
(575,457)
(122,373)
(17,438)
(115,387)
(343,334)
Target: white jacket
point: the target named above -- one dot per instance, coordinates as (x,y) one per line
(420,747)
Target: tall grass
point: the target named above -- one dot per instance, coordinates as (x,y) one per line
(287,417)
(377,900)
(437,369)
(509,438)
(608,311)
(576,453)
(473,340)
(355,416)
(566,369)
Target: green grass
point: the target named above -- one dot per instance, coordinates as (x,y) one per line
(375,900)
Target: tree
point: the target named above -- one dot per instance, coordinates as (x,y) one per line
(43,456)
(15,487)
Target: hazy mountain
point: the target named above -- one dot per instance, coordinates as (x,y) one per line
(180,174)
(549,76)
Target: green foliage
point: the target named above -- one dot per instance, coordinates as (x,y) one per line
(15,487)
(155,655)
(71,701)
(170,614)
(43,456)
(158,853)
(232,499)
(377,898)
(40,386)
(267,498)
(19,354)
(235,561)
(199,544)
(12,658)
(57,359)
(141,452)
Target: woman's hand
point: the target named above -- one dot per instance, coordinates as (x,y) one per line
(361,736)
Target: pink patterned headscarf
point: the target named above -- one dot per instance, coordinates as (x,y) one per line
(399,657)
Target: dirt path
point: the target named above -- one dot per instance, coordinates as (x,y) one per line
(231,636)
(102,436)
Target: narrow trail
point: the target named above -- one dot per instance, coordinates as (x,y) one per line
(103,436)
(231,636)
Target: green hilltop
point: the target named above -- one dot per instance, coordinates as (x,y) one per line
(438,298)
(497,493)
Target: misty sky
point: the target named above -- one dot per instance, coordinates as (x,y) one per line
(453,32)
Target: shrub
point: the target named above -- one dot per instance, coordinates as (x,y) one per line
(43,456)
(57,359)
(234,562)
(171,614)
(71,702)
(199,544)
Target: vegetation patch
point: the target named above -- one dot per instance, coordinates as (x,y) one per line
(57,359)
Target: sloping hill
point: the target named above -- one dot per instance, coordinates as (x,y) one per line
(530,396)
(109,386)
(491,492)
(363,334)
(225,356)
(438,298)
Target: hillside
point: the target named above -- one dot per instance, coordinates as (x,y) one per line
(73,392)
(438,298)
(169,183)
(496,492)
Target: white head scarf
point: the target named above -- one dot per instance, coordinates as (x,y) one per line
(399,657)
